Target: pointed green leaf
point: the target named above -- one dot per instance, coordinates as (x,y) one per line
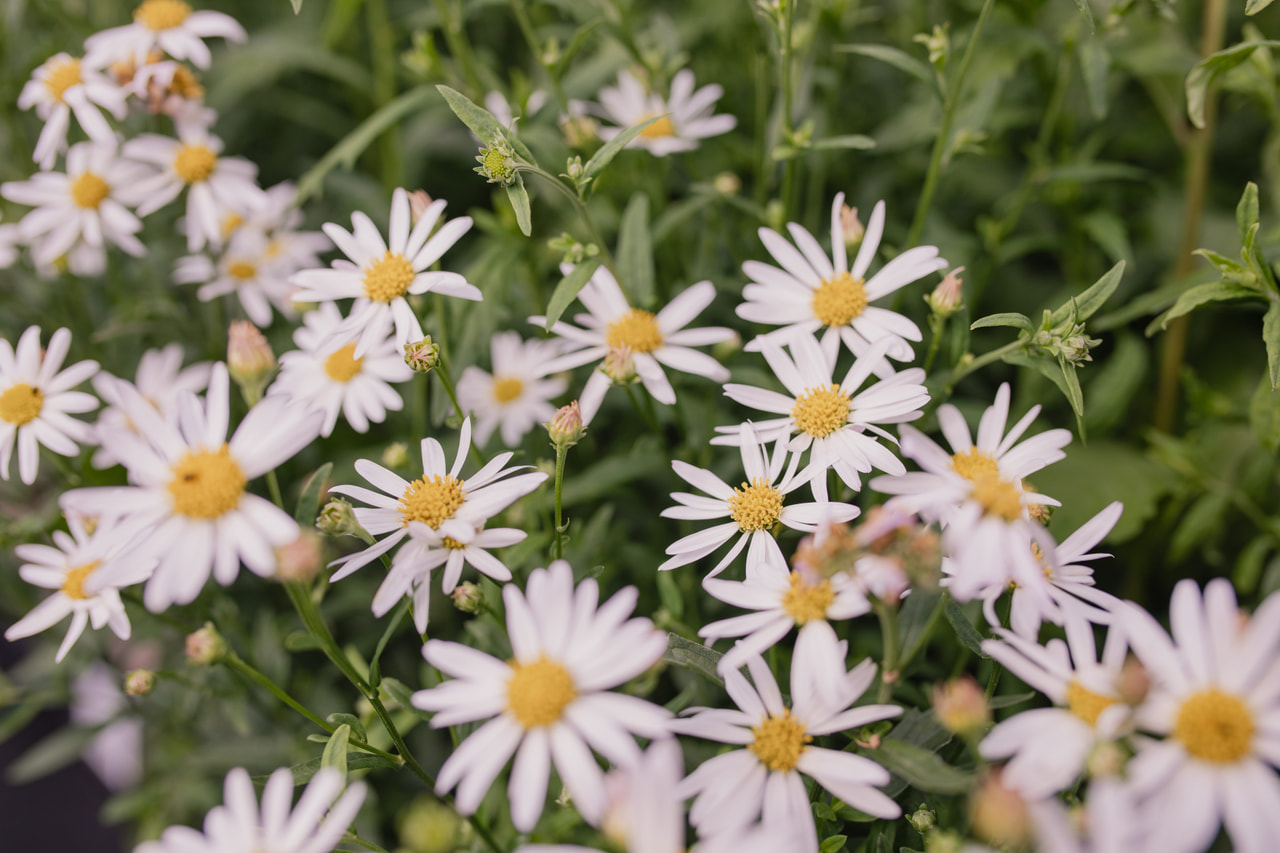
(1017,321)
(519,199)
(1086,12)
(1227,266)
(482,123)
(312,491)
(402,696)
(840,143)
(611,148)
(1253,7)
(1247,211)
(1083,306)
(49,755)
(968,634)
(1202,294)
(567,290)
(1271,337)
(1206,71)
(303,772)
(922,769)
(635,252)
(1072,383)
(335,751)
(1264,415)
(1009,700)
(701,659)
(898,59)
(341,719)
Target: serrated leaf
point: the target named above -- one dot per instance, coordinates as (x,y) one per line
(1202,294)
(1253,7)
(481,122)
(1271,337)
(519,198)
(695,656)
(965,631)
(567,290)
(610,149)
(635,252)
(898,59)
(1208,69)
(1095,65)
(335,751)
(922,769)
(1008,318)
(1247,211)
(303,772)
(308,506)
(1082,307)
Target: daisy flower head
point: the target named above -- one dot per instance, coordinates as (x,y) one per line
(81,206)
(36,399)
(809,292)
(190,482)
(168,25)
(165,86)
(87,571)
(753,509)
(216,186)
(685,117)
(64,86)
(379,274)
(279,219)
(439,495)
(835,422)
(516,396)
(1215,697)
(614,333)
(315,825)
(246,267)
(161,380)
(736,788)
(550,703)
(331,379)
(1047,748)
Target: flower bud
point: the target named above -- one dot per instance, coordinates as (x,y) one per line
(396,455)
(429,826)
(301,559)
(945,298)
(139,682)
(1107,759)
(923,819)
(497,163)
(961,706)
(998,815)
(250,360)
(619,365)
(566,427)
(726,349)
(850,226)
(206,646)
(468,597)
(943,842)
(419,201)
(422,355)
(727,183)
(337,518)
(1134,682)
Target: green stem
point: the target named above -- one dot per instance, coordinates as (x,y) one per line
(383,58)
(965,368)
(889,663)
(580,208)
(646,414)
(562,452)
(788,8)
(937,325)
(944,129)
(367,845)
(531,37)
(456,37)
(273,484)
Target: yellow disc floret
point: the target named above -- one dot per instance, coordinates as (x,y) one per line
(388,278)
(779,742)
(974,463)
(636,329)
(206,483)
(755,506)
(195,163)
(839,299)
(659,129)
(821,411)
(241,270)
(21,404)
(538,693)
(506,388)
(1086,704)
(73,584)
(61,77)
(342,364)
(806,600)
(431,501)
(88,191)
(1214,726)
(998,497)
(161,14)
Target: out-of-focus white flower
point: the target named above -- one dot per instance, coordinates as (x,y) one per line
(516,396)
(63,86)
(686,116)
(170,25)
(247,268)
(115,753)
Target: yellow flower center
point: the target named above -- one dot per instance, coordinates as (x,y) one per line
(998,497)
(88,191)
(73,584)
(755,506)
(241,270)
(21,404)
(974,464)
(821,411)
(453,544)
(636,329)
(62,77)
(659,129)
(342,364)
(185,84)
(806,601)
(1086,704)
(432,502)
(388,277)
(194,163)
(206,483)
(161,14)
(506,388)
(538,693)
(1214,726)
(230,224)
(779,742)
(839,299)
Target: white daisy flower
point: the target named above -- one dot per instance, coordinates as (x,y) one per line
(515,397)
(1216,698)
(166,86)
(1047,748)
(331,379)
(280,220)
(170,25)
(216,186)
(36,399)
(161,380)
(736,788)
(550,703)
(687,116)
(239,825)
(246,268)
(438,495)
(836,423)
(649,340)
(63,86)
(379,274)
(83,205)
(88,570)
(190,483)
(809,292)
(754,508)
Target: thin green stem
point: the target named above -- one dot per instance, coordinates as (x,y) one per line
(456,37)
(646,414)
(967,367)
(890,666)
(937,325)
(787,10)
(944,129)
(557,546)
(382,57)
(273,484)
(531,37)
(578,206)
(352,838)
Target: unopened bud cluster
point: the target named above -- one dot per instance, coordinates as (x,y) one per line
(206,646)
(497,163)
(566,428)
(250,361)
(337,518)
(422,356)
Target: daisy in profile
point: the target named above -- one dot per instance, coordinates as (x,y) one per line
(64,86)
(190,484)
(161,380)
(738,787)
(685,117)
(835,423)
(1215,701)
(379,274)
(810,293)
(81,206)
(753,509)
(550,703)
(331,379)
(169,25)
(315,825)
(439,495)
(632,343)
(87,572)
(1047,748)
(516,396)
(36,399)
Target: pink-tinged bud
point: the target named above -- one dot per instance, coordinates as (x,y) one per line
(1134,682)
(467,597)
(945,298)
(139,682)
(206,646)
(566,427)
(851,226)
(249,357)
(301,559)
(998,815)
(419,201)
(619,365)
(961,706)
(422,355)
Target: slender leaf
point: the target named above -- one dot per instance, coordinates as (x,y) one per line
(49,755)
(921,768)
(1095,65)
(1253,7)
(832,843)
(1084,306)
(481,122)
(1264,415)
(1202,294)
(998,702)
(303,772)
(402,696)
(339,718)
(968,634)
(1071,383)
(1247,211)
(898,59)
(1208,70)
(695,656)
(610,149)
(847,141)
(635,252)
(1086,12)
(1017,321)
(519,199)
(1271,337)
(567,290)
(309,501)
(335,751)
